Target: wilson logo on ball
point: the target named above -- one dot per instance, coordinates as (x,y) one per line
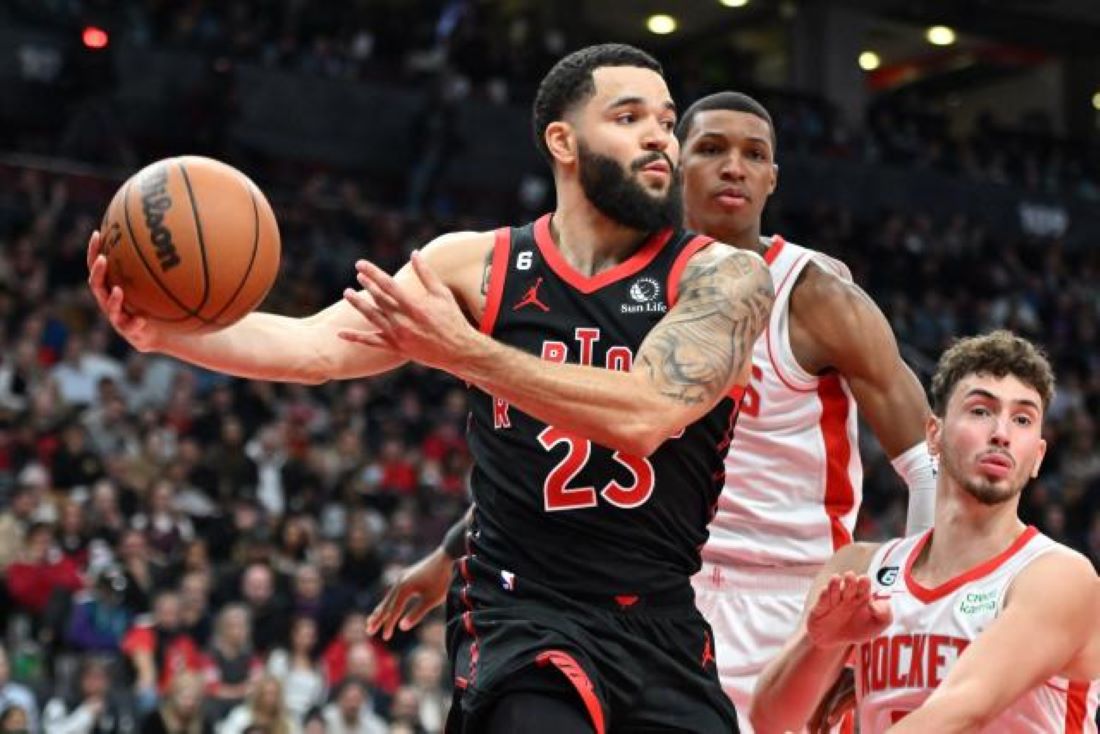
(154,203)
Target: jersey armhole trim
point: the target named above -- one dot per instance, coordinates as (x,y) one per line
(502,246)
(790,381)
(698,242)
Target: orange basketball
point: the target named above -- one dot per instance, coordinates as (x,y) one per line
(192,242)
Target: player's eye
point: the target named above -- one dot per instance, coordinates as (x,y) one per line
(1024,420)
(626,118)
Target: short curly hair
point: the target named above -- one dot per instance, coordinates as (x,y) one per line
(570,82)
(998,353)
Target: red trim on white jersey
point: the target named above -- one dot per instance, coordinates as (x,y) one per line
(774,249)
(795,269)
(840,497)
(502,246)
(985,568)
(590,283)
(1076,706)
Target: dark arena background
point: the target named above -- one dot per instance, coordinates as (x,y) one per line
(949,152)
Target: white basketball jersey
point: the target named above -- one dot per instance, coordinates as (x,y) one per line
(793,472)
(899,669)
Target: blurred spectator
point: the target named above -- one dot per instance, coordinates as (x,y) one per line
(195,613)
(78,374)
(180,710)
(75,464)
(314,722)
(384,673)
(104,518)
(16,696)
(72,537)
(99,618)
(15,720)
(405,710)
(350,712)
(298,668)
(16,518)
(427,667)
(166,529)
(92,708)
(232,666)
(265,709)
(143,575)
(41,571)
(269,613)
(158,650)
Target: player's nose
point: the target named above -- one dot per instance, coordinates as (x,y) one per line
(656,137)
(1000,435)
(733,168)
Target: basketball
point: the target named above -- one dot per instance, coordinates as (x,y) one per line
(192,242)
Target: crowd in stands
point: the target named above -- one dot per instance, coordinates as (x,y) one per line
(179,546)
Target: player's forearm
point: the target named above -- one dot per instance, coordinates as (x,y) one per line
(614,409)
(793,685)
(950,712)
(264,346)
(261,346)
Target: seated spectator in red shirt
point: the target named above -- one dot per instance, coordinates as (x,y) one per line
(387,676)
(41,571)
(159,650)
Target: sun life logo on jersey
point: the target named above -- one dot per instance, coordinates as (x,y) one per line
(646,294)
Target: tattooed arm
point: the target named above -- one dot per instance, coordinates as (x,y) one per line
(690,360)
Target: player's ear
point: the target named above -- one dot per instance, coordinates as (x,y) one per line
(774,179)
(561,140)
(1039,458)
(933,433)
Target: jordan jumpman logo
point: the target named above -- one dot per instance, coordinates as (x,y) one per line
(531,298)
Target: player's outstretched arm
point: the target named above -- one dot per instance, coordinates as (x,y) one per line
(1047,628)
(840,612)
(690,360)
(267,346)
(851,335)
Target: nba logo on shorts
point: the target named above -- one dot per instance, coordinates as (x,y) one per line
(508,580)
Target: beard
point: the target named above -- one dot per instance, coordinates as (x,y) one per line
(989,494)
(984,490)
(619,196)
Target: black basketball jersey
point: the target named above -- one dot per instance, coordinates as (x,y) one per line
(555,507)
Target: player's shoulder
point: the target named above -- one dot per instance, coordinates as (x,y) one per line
(449,242)
(1059,564)
(854,557)
(831,305)
(717,259)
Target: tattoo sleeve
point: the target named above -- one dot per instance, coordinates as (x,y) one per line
(705,340)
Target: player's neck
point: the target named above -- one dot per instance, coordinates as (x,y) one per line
(588,239)
(967,533)
(744,239)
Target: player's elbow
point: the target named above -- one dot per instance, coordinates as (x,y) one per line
(765,721)
(644,433)
(766,716)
